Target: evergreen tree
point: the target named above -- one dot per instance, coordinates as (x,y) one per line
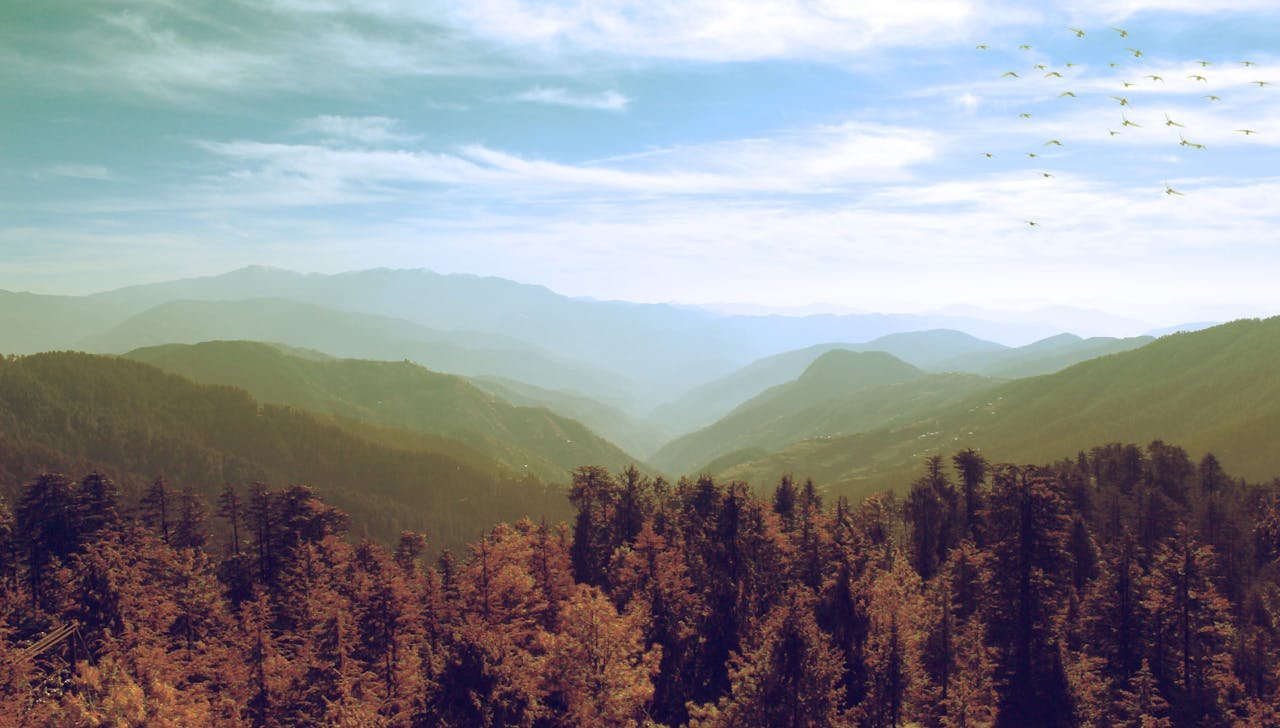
(1031,567)
(788,679)
(154,507)
(971,466)
(189,530)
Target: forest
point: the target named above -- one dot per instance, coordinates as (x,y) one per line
(1126,586)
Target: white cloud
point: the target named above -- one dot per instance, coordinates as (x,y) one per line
(370,130)
(604,101)
(724,30)
(806,162)
(1118,10)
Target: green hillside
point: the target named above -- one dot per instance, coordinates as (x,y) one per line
(399,394)
(75,412)
(712,400)
(841,392)
(1215,390)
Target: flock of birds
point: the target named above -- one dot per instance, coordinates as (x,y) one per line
(1198,75)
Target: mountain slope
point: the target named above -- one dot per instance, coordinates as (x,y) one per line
(344,334)
(75,412)
(399,394)
(712,400)
(635,436)
(843,388)
(1042,357)
(1214,390)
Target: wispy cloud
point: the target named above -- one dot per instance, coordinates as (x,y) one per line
(368,130)
(603,101)
(77,171)
(803,162)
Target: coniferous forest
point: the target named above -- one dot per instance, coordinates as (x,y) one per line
(1128,586)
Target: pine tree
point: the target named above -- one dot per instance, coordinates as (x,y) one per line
(971,466)
(154,507)
(597,667)
(789,678)
(1190,631)
(189,531)
(1031,567)
(97,500)
(231,508)
(898,686)
(1139,704)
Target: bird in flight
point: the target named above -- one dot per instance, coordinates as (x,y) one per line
(1024,115)
(1126,122)
(1197,77)
(1039,66)
(1033,155)
(1024,47)
(1032,223)
(1079,33)
(1072,94)
(1122,100)
(1053,142)
(1114,65)
(1211,97)
(1123,33)
(1171,122)
(1046,175)
(1009,74)
(1262,83)
(1127,85)
(1154,77)
(1070,65)
(1053,73)
(1171,191)
(1246,132)
(1113,132)
(988,155)
(1183,142)
(1136,53)
(1205,64)
(1246,64)
(982,46)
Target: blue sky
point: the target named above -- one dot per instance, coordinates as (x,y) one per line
(762,151)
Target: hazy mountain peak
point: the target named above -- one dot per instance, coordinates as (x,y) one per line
(839,367)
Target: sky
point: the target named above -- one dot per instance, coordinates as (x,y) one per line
(766,152)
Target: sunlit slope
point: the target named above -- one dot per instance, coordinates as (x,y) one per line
(400,394)
(75,412)
(841,392)
(1213,390)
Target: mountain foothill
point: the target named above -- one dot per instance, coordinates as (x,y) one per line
(516,385)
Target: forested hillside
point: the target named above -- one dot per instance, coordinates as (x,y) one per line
(1213,390)
(76,412)
(841,392)
(399,394)
(1125,586)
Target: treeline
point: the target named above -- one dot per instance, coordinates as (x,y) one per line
(1127,587)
